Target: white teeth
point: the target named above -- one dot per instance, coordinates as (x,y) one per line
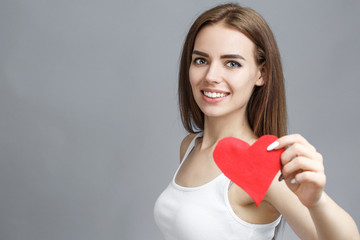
(214,95)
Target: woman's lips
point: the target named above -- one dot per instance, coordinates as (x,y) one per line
(214,96)
(212,93)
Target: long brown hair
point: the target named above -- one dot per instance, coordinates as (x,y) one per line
(266,109)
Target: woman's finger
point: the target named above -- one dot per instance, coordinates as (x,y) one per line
(289,140)
(315,178)
(299,150)
(300,165)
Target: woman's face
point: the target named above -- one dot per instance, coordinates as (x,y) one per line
(223,71)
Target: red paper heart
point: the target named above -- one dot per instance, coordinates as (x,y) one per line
(250,167)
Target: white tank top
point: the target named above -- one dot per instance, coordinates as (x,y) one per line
(204,212)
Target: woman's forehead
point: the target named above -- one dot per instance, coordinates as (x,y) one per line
(219,39)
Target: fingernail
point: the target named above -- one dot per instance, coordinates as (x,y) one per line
(293,181)
(281,177)
(273,146)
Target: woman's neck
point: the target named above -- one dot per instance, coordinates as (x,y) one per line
(216,128)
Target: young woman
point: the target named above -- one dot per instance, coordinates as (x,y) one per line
(231,84)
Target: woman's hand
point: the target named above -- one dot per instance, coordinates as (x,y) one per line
(302,168)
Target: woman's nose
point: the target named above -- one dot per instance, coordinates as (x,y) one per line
(213,74)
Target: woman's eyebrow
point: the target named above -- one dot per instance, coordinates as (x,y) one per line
(200,53)
(233,56)
(222,56)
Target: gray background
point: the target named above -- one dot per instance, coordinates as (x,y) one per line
(89,124)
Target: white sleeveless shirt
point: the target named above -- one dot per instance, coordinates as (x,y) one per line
(204,212)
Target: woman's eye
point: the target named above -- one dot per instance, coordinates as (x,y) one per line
(200,61)
(233,64)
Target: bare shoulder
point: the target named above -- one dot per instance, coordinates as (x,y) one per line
(185,144)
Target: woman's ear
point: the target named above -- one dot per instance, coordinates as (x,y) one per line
(260,82)
(261,75)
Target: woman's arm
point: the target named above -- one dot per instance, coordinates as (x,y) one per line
(306,207)
(332,222)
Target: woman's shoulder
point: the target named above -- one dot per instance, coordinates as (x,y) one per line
(185,144)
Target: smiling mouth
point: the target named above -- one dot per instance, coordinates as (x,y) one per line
(214,94)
